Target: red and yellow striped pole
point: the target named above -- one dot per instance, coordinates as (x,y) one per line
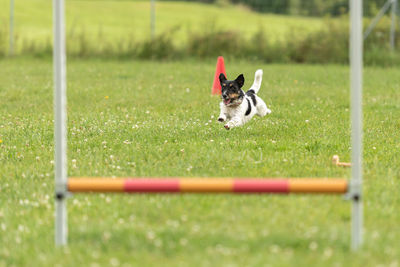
(208,185)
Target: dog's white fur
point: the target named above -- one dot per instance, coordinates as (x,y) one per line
(235,115)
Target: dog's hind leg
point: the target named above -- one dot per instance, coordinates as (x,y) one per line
(262,108)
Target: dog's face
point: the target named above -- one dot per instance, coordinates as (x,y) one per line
(232,93)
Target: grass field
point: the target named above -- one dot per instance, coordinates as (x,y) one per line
(107,21)
(158,119)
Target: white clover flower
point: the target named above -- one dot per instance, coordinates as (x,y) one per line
(150,235)
(114,262)
(183,242)
(313,245)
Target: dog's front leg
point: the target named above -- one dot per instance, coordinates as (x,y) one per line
(234,122)
(222,115)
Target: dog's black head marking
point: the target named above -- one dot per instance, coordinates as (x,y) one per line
(232,94)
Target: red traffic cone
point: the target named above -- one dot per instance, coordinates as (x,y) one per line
(216,88)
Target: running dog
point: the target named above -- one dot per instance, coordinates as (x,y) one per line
(238,107)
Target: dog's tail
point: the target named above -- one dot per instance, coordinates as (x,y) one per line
(257,81)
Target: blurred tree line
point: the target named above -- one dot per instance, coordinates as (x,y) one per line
(302,7)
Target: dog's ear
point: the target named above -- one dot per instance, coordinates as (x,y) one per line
(222,78)
(240,80)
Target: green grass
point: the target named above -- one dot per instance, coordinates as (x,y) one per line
(158,119)
(107,21)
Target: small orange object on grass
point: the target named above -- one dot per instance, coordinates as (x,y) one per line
(335,160)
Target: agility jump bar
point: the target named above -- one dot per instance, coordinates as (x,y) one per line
(207,185)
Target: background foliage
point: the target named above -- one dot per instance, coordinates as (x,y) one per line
(121,29)
(301,7)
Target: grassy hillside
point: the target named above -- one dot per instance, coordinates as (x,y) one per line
(158,119)
(108,20)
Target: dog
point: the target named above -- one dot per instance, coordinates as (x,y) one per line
(237,107)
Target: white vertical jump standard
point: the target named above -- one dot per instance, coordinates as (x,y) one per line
(354,192)
(356,68)
(60,122)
